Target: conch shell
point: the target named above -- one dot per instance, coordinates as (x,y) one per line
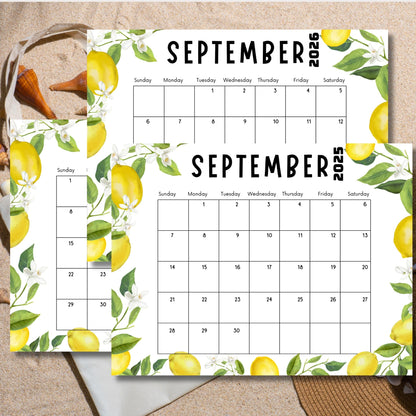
(27,91)
(79,83)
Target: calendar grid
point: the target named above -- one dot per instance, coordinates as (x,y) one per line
(340,281)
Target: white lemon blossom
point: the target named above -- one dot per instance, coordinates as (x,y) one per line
(212,362)
(135,298)
(34,274)
(141,46)
(65,137)
(93,41)
(231,360)
(128,224)
(399,169)
(405,271)
(374,54)
(127,205)
(26,181)
(107,339)
(117,156)
(106,183)
(15,131)
(25,201)
(102,91)
(165,158)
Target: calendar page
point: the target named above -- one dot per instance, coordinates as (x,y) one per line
(262,260)
(58,301)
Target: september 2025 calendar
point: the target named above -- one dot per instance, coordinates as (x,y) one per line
(263,260)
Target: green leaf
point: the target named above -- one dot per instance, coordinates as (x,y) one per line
(334,365)
(33,345)
(116,235)
(342,48)
(13,187)
(90,97)
(161,145)
(26,348)
(107,35)
(57,341)
(369,36)
(60,122)
(409,349)
(353,60)
(115,52)
(319,372)
(137,32)
(239,367)
(135,369)
(114,210)
(139,166)
(407,362)
(368,72)
(15,281)
(32,291)
(406,195)
(103,168)
(382,82)
(368,161)
(122,343)
(220,372)
(158,365)
(92,191)
(103,258)
(69,146)
(116,305)
(405,311)
(127,373)
(144,56)
(401,371)
(377,370)
(26,258)
(145,370)
(393,150)
(92,121)
(294,365)
(390,373)
(171,169)
(394,186)
(16,211)
(314,359)
(377,174)
(37,142)
(388,350)
(133,315)
(107,203)
(30,125)
(98,229)
(44,342)
(22,319)
(127,282)
(402,288)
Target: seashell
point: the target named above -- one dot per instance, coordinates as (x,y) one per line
(27,91)
(82,111)
(79,83)
(4,159)
(5,187)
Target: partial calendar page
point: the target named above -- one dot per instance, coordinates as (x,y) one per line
(57,301)
(267,261)
(242,87)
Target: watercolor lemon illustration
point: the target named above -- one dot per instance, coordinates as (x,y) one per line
(264,366)
(403,236)
(359,151)
(19,226)
(126,186)
(18,339)
(25,162)
(81,339)
(184,364)
(121,248)
(95,138)
(95,249)
(379,123)
(101,68)
(363,364)
(119,363)
(402,332)
(335,38)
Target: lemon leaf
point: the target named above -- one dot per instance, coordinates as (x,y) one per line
(92,121)
(171,169)
(13,187)
(114,210)
(368,161)
(116,305)
(102,169)
(401,370)
(127,282)
(369,36)
(161,145)
(393,150)
(137,32)
(115,52)
(319,372)
(33,345)
(145,370)
(92,191)
(134,314)
(32,291)
(37,142)
(388,350)
(107,35)
(107,203)
(127,373)
(390,373)
(382,82)
(334,365)
(26,348)
(239,367)
(30,125)
(368,72)
(144,56)
(314,359)
(122,343)
(354,60)
(60,122)
(16,211)
(69,146)
(15,281)
(57,341)
(90,97)
(98,229)
(158,365)
(377,370)
(139,166)
(405,311)
(407,362)
(377,174)
(406,195)
(116,235)
(220,372)
(22,319)
(44,342)
(409,349)
(394,187)
(402,288)
(26,258)
(135,369)
(294,365)
(342,48)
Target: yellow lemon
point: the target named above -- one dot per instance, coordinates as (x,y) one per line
(101,68)
(264,366)
(120,252)
(119,363)
(24,158)
(184,364)
(359,151)
(125,181)
(81,339)
(402,332)
(379,123)
(335,37)
(95,249)
(18,339)
(403,236)
(19,226)
(96,136)
(363,364)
